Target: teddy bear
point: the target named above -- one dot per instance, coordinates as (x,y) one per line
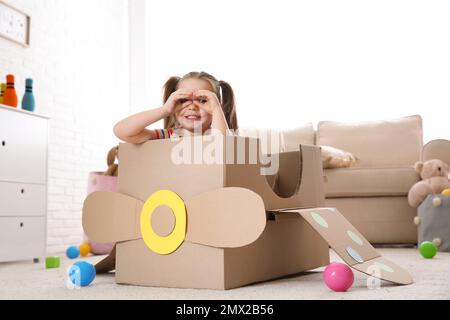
(104,181)
(435,179)
(113,168)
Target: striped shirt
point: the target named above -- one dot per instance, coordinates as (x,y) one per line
(163,133)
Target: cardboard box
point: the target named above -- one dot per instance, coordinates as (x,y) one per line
(149,167)
(284,248)
(237,225)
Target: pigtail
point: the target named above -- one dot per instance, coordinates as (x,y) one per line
(229,105)
(170,87)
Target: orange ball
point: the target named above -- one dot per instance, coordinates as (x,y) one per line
(446,192)
(85,249)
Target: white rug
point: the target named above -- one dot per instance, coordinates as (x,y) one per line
(25,280)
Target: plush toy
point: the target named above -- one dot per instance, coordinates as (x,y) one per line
(103,181)
(337,158)
(113,168)
(435,179)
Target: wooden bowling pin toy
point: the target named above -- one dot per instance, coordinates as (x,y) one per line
(28,102)
(2,91)
(10,97)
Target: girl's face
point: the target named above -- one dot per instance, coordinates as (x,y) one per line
(193,117)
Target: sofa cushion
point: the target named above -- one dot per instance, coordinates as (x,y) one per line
(274,141)
(271,140)
(300,135)
(369,182)
(390,143)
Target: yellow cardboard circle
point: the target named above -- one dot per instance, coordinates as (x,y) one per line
(156,243)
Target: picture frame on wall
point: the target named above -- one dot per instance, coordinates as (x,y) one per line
(15,25)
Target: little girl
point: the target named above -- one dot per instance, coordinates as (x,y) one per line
(195,103)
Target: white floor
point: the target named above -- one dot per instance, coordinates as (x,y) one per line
(25,280)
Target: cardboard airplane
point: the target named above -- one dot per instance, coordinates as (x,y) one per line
(243,220)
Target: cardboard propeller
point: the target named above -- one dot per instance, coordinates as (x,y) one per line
(350,245)
(211,217)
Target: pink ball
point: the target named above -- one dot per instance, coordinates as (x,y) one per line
(338,277)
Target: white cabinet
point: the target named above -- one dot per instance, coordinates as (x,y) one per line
(23,199)
(23,184)
(22,238)
(23,147)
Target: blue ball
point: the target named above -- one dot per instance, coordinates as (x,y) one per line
(82,273)
(72,252)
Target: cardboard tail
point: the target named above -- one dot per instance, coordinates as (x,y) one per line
(350,245)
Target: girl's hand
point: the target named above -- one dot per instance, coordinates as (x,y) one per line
(182,96)
(207,100)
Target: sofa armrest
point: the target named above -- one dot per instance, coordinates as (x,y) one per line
(437,149)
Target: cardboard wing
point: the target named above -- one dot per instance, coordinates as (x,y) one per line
(349,244)
(223,218)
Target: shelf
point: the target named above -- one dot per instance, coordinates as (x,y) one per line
(2,106)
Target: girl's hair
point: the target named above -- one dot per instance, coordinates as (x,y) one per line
(226,97)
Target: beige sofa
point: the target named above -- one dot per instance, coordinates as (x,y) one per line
(373,193)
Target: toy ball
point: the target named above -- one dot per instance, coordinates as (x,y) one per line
(446,192)
(82,273)
(437,201)
(85,249)
(72,252)
(427,249)
(338,277)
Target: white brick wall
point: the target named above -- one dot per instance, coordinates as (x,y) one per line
(79,61)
